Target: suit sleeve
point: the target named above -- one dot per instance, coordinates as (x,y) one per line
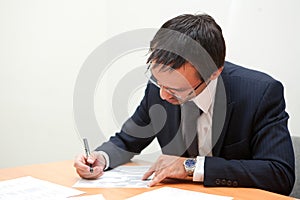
(271,164)
(135,135)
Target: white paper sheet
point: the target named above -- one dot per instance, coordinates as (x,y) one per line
(29,188)
(175,193)
(88,197)
(119,177)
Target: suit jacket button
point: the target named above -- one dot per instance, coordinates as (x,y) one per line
(229,183)
(223,182)
(234,183)
(218,181)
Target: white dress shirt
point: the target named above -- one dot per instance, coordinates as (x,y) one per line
(204,101)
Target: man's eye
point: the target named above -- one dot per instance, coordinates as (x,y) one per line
(178,90)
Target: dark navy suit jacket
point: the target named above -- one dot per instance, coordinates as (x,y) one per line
(251,142)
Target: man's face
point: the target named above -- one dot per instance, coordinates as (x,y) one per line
(179,85)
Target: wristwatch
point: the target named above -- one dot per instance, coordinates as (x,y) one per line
(190,165)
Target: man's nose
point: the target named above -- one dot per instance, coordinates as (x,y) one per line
(164,94)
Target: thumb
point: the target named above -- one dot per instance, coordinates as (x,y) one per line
(98,158)
(91,158)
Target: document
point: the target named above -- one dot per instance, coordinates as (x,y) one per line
(26,188)
(119,177)
(87,197)
(175,193)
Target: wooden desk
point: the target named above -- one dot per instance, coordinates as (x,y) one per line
(64,173)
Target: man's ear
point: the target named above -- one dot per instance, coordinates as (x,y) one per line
(216,74)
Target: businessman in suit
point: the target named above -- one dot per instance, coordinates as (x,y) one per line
(217,123)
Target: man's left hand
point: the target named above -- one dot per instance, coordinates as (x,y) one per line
(166,166)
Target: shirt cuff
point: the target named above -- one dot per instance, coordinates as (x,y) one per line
(199,170)
(106,157)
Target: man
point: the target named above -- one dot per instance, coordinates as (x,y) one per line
(238,135)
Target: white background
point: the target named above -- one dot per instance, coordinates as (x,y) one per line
(44,43)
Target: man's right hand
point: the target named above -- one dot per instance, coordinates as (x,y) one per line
(82,165)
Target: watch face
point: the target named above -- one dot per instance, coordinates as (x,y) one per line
(190,162)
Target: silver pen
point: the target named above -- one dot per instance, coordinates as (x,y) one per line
(87,152)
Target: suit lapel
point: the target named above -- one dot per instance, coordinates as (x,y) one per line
(221,116)
(175,144)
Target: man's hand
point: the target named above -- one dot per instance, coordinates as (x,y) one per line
(81,164)
(166,166)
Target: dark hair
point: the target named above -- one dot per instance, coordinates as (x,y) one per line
(201,28)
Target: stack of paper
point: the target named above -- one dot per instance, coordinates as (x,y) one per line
(88,197)
(119,177)
(32,188)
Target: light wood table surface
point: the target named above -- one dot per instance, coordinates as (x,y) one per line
(64,173)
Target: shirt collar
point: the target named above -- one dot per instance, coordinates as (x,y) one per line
(205,99)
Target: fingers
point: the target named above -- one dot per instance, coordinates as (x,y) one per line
(159,174)
(80,163)
(86,174)
(83,168)
(158,177)
(166,166)
(148,174)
